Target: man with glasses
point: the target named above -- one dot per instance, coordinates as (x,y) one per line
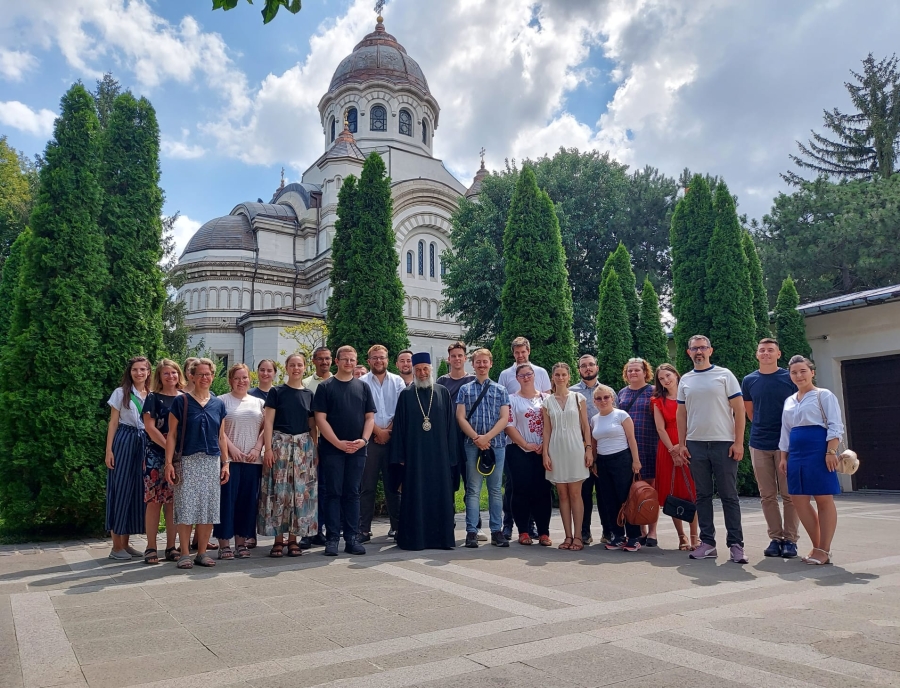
(386,388)
(587,370)
(711,420)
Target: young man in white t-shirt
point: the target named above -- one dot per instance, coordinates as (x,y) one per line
(711,421)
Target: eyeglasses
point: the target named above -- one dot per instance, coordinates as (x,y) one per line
(605,397)
(377,358)
(525,376)
(203,374)
(695,349)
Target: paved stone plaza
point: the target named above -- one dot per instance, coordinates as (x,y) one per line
(523,616)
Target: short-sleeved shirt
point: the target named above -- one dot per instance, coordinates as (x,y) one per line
(817,407)
(312,382)
(258,393)
(526,416)
(454,385)
(588,394)
(243,422)
(488,412)
(508,378)
(293,409)
(706,394)
(201,429)
(345,405)
(131,415)
(609,433)
(157,406)
(768,392)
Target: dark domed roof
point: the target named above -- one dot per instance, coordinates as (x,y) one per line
(229,232)
(379,56)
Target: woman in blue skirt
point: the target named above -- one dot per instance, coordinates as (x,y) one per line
(126,443)
(811,429)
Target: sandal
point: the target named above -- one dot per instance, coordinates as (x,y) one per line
(243,552)
(525,539)
(226,553)
(294,549)
(576,548)
(151,556)
(695,542)
(277,550)
(683,544)
(818,561)
(204,560)
(250,543)
(566,544)
(545,540)
(172,553)
(185,562)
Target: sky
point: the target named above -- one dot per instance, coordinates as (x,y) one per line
(723,87)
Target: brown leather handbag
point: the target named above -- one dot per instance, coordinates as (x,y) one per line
(642,506)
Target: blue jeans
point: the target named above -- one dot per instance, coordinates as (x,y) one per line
(473,489)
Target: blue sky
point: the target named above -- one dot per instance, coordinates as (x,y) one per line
(719,86)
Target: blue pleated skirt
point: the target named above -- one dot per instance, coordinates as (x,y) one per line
(807,473)
(125,483)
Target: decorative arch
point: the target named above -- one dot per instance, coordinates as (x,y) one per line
(406,123)
(433,222)
(409,262)
(421,251)
(431,259)
(204,299)
(332,127)
(425,131)
(352,119)
(235,299)
(378,118)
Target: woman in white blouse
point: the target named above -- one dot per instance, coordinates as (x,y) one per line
(243,433)
(531,498)
(811,430)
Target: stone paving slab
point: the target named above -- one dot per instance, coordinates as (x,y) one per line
(522,616)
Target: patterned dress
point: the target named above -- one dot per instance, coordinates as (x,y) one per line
(636,403)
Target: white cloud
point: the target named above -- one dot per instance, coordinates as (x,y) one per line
(20,116)
(181,150)
(14,64)
(183,230)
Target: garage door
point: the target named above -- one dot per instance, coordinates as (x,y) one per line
(872,403)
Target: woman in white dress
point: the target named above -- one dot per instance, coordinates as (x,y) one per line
(567,453)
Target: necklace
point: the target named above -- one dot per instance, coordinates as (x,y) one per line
(426,423)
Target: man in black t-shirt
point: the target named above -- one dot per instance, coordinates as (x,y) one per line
(345,417)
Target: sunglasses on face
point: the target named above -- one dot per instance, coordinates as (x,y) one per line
(605,397)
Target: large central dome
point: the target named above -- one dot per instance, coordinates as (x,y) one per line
(379,56)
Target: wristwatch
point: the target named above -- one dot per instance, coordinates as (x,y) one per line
(833,452)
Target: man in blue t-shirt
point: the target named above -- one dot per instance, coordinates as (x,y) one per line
(765,391)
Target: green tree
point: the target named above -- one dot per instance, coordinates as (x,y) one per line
(372,312)
(9,282)
(865,143)
(758,286)
(341,252)
(269,10)
(52,428)
(132,225)
(536,301)
(443,368)
(18,187)
(651,337)
(729,300)
(790,324)
(614,346)
(620,261)
(308,336)
(105,94)
(692,229)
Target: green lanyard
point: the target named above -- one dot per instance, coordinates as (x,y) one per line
(137,402)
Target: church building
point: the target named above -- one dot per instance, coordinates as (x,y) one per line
(266,266)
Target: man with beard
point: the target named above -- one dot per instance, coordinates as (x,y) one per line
(587,369)
(405,366)
(423,446)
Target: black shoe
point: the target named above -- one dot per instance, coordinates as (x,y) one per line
(318,540)
(586,537)
(352,546)
(304,543)
(651,542)
(364,537)
(774,549)
(392,534)
(331,548)
(498,539)
(643,540)
(506,532)
(471,540)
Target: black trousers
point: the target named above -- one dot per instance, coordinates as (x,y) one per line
(614,479)
(532,494)
(377,460)
(587,496)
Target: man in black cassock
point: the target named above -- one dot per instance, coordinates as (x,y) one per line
(423,448)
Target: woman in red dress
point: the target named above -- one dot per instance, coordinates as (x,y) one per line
(669,463)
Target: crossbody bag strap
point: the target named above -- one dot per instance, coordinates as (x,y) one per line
(487,384)
(634,399)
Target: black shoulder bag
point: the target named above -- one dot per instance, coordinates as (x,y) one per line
(486,459)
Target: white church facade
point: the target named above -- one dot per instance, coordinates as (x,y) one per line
(266,266)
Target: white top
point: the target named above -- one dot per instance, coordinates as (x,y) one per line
(312,382)
(244,420)
(385,394)
(127,416)
(526,417)
(508,379)
(609,433)
(566,446)
(706,394)
(807,411)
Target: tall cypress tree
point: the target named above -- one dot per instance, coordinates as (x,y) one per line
(691,233)
(614,346)
(651,337)
(338,329)
(9,282)
(536,301)
(729,300)
(790,324)
(372,311)
(132,226)
(760,299)
(620,260)
(52,428)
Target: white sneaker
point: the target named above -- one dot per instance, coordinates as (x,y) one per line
(119,554)
(482,536)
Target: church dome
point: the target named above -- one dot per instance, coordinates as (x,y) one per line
(379,56)
(229,232)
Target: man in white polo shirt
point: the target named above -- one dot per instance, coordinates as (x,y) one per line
(711,420)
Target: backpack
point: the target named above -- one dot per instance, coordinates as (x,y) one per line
(642,506)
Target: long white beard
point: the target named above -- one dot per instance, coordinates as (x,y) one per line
(424,384)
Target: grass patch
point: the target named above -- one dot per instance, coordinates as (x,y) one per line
(459,499)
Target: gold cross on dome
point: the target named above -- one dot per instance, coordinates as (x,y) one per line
(379,6)
(481,153)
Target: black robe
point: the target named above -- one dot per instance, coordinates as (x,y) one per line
(426,501)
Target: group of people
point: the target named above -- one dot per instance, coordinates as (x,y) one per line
(301,461)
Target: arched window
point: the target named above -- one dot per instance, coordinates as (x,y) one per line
(425,131)
(431,260)
(378,118)
(422,258)
(332,129)
(351,120)
(409,262)
(405,123)
(443,268)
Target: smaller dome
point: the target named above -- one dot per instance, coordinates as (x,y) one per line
(229,232)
